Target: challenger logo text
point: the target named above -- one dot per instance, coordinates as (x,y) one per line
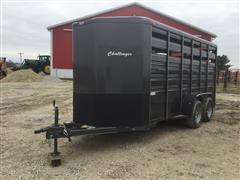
(119,53)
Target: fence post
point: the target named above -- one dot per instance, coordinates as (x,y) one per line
(229,76)
(236,77)
(218,73)
(223,75)
(225,79)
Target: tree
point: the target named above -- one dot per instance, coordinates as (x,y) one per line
(222,65)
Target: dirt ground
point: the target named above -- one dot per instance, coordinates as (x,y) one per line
(169,151)
(231,88)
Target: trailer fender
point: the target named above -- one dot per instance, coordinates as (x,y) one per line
(188,101)
(187,106)
(203,97)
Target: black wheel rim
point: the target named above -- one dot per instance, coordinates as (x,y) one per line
(198,114)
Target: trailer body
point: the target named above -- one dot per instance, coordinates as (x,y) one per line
(131,73)
(134,72)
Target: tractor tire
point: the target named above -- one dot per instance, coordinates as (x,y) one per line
(194,121)
(207,110)
(46,69)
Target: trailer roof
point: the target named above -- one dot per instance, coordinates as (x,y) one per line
(128,5)
(146,20)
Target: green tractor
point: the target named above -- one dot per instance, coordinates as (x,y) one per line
(37,65)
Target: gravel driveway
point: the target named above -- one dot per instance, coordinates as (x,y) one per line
(169,151)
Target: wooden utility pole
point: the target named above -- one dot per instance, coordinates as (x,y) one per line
(20,56)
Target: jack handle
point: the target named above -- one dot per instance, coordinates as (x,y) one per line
(38,131)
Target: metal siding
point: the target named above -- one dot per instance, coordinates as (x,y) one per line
(62,48)
(175,77)
(62,40)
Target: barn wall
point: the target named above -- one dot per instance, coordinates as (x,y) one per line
(164,20)
(62,39)
(62,47)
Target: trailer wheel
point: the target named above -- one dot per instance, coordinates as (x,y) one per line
(207,110)
(195,118)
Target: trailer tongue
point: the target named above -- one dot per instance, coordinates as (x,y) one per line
(67,130)
(130,73)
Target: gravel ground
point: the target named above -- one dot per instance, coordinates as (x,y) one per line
(169,151)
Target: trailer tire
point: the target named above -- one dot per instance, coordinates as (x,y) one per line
(194,121)
(207,110)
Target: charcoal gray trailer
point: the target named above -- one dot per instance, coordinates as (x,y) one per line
(131,73)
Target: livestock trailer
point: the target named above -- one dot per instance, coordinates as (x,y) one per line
(131,73)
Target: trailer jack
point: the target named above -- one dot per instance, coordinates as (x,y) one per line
(54,132)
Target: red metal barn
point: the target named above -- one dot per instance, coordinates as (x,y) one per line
(61,34)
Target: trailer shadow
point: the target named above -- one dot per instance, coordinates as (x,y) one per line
(94,143)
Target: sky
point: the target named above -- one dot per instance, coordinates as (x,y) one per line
(24,23)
